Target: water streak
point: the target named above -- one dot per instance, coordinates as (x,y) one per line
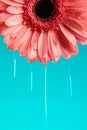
(69,84)
(45,78)
(31,81)
(31,77)
(14,68)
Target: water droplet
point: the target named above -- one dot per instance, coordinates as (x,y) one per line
(45,90)
(14,68)
(14,64)
(31,76)
(69,83)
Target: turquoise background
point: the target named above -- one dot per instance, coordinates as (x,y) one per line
(21,109)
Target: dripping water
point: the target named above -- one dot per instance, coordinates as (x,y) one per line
(14,66)
(69,84)
(31,75)
(45,90)
(70,81)
(31,78)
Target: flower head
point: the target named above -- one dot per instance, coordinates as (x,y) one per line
(44,29)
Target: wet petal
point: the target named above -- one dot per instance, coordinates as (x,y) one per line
(25,43)
(43,48)
(31,54)
(53,45)
(34,40)
(17,40)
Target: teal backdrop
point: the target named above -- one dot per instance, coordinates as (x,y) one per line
(31,101)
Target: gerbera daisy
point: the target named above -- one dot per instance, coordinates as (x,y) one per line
(44,29)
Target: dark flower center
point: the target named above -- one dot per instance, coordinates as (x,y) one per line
(44,8)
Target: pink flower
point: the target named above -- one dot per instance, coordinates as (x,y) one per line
(44,29)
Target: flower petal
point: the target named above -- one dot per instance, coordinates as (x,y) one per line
(25,42)
(17,30)
(15,10)
(18,39)
(32,48)
(76,28)
(75,3)
(67,40)
(19,1)
(7,30)
(31,54)
(34,40)
(13,20)
(9,41)
(4,16)
(53,45)
(9,2)
(43,54)
(2,6)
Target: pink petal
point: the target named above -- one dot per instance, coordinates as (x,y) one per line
(65,53)
(75,3)
(67,40)
(13,20)
(43,48)
(18,39)
(4,16)
(31,54)
(9,2)
(2,6)
(32,48)
(53,45)
(74,13)
(34,40)
(15,10)
(9,41)
(19,1)
(7,30)
(24,48)
(77,30)
(17,30)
